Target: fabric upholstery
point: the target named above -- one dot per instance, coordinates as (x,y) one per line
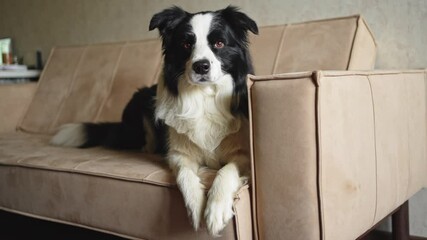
(14,101)
(345,150)
(91,83)
(400,136)
(331,44)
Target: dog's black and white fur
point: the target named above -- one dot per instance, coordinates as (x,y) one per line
(199,114)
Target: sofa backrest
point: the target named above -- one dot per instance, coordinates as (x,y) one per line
(330,44)
(93,83)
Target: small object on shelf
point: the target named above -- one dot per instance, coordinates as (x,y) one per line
(6,50)
(39,60)
(13,67)
(17,74)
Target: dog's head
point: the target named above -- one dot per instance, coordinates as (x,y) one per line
(204,47)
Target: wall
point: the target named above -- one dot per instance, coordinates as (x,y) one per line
(398,25)
(400,28)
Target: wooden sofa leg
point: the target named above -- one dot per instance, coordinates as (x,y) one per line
(400,223)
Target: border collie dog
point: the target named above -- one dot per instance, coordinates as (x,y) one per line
(196,114)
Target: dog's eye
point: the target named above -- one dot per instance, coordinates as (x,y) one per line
(186,45)
(219,44)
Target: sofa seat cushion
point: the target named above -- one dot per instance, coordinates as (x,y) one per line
(30,150)
(129,194)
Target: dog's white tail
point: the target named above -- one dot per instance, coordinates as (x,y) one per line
(70,135)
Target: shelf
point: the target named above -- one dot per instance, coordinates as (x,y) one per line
(19,74)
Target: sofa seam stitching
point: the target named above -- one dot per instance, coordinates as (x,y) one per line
(254,207)
(375,148)
(113,78)
(19,126)
(319,161)
(236,221)
(151,174)
(71,85)
(282,40)
(405,81)
(76,168)
(87,173)
(350,55)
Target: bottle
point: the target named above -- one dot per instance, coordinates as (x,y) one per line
(6,51)
(39,60)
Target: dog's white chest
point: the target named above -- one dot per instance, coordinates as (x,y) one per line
(200,113)
(205,132)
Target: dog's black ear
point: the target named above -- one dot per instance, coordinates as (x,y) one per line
(167,19)
(238,19)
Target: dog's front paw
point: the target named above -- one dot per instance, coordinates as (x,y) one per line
(195,205)
(218,213)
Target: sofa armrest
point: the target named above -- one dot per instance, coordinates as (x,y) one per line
(14,100)
(283,131)
(333,153)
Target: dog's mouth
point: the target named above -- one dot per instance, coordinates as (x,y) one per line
(198,79)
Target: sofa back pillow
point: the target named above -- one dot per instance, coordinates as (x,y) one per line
(90,83)
(344,43)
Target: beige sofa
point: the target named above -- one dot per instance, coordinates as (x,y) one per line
(333,152)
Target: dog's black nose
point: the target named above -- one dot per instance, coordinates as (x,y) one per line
(201,66)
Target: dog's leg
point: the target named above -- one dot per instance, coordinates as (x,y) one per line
(219,206)
(189,184)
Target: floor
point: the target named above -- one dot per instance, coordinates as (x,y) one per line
(17,227)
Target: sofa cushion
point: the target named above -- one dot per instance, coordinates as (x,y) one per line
(124,193)
(14,101)
(91,83)
(330,44)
